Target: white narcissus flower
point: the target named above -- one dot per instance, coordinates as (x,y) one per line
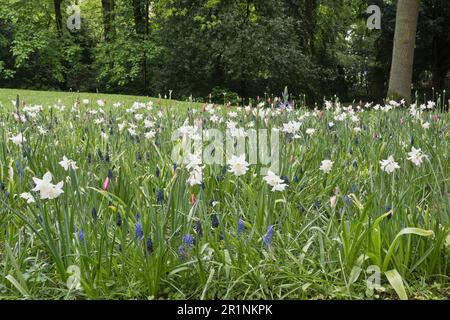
(389,165)
(122,126)
(326,166)
(214,118)
(416,156)
(238,165)
(192,161)
(27,196)
(150,135)
(46,189)
(148,124)
(196,176)
(274,181)
(42,130)
(132,132)
(310,131)
(101,103)
(18,140)
(426,125)
(68,164)
(333,201)
(291,127)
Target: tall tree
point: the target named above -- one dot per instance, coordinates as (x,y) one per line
(403,53)
(58,17)
(108,18)
(140,8)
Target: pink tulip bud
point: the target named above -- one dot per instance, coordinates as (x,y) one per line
(106,184)
(193,199)
(401,120)
(436,118)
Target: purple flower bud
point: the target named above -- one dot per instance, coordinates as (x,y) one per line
(268,237)
(189,240)
(181,253)
(241,226)
(139,231)
(81,236)
(149,245)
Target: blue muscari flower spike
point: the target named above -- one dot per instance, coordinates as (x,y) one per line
(214,221)
(94,214)
(149,245)
(316,204)
(81,235)
(174,166)
(139,231)
(286,180)
(268,237)
(19,169)
(355,164)
(157,172)
(110,174)
(354,188)
(198,228)
(388,208)
(347,200)
(119,219)
(160,196)
(181,253)
(241,226)
(189,240)
(2,186)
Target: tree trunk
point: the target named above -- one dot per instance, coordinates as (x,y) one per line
(139,9)
(58,17)
(108,19)
(403,53)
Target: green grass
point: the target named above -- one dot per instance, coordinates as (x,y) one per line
(46,98)
(318,251)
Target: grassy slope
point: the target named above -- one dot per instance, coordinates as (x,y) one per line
(51,97)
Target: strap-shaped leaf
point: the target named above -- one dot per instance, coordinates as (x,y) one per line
(416,231)
(396,281)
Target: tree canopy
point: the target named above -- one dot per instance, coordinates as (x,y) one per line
(246,48)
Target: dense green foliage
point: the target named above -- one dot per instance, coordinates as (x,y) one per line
(248,47)
(128,239)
